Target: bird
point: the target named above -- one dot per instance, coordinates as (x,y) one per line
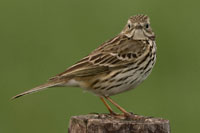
(118,65)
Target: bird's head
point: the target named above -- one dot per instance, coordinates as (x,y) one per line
(138,28)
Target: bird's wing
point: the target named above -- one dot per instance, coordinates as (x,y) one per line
(112,54)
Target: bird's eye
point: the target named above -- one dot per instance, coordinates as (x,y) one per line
(129,26)
(146,26)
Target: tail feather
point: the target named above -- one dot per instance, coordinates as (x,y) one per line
(38,88)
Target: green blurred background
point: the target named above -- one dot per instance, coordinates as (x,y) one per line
(40,38)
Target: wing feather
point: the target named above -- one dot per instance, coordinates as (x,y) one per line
(112,54)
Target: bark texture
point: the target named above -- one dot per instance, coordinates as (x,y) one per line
(105,123)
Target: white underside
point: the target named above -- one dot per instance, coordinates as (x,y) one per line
(72,83)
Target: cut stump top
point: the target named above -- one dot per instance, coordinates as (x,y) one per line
(105,123)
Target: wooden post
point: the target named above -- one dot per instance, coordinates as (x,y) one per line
(104,123)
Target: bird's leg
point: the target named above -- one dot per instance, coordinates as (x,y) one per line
(120,108)
(108,107)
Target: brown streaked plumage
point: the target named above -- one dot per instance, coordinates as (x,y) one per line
(117,65)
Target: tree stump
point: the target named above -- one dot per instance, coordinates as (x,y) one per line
(105,123)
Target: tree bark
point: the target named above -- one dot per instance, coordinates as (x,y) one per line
(105,123)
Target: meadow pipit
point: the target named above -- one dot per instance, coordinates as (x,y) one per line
(116,66)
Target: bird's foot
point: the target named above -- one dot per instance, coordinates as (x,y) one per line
(122,116)
(125,116)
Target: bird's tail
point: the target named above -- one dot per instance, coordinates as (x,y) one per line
(38,88)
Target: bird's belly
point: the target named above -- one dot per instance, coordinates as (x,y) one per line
(126,79)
